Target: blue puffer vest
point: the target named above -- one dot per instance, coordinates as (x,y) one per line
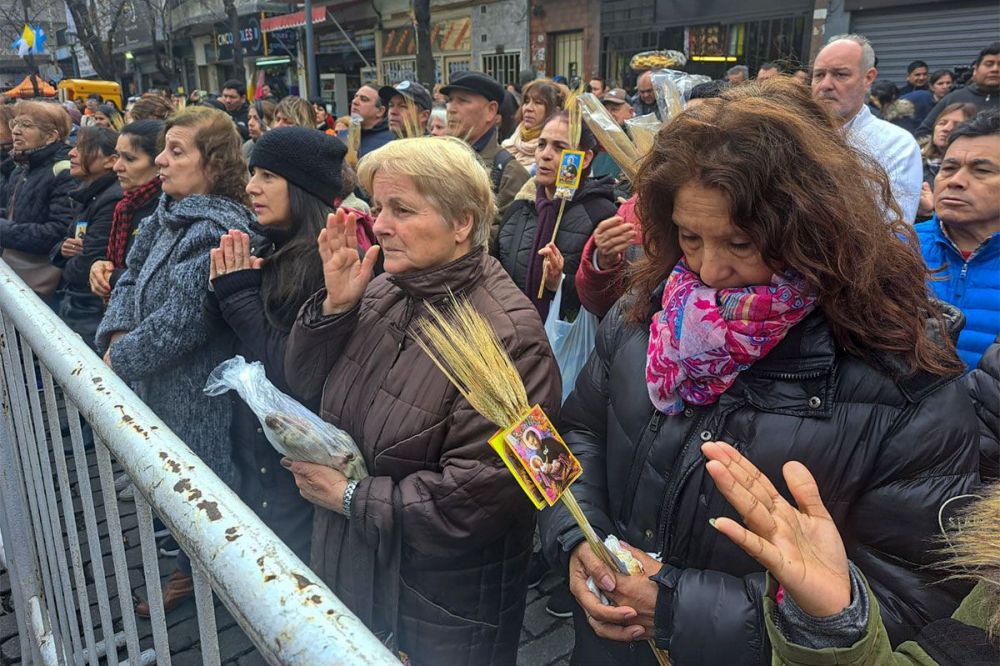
(973,286)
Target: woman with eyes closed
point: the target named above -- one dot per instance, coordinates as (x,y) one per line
(156,334)
(774,309)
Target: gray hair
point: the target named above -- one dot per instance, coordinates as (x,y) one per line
(739,69)
(437,113)
(867,52)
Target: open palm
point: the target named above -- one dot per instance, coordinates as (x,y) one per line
(801,547)
(345,274)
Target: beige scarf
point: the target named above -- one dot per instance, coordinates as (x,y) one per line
(522,145)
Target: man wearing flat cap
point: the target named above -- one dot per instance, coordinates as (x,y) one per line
(474,100)
(409,106)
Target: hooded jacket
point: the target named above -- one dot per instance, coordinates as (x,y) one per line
(971,285)
(591,204)
(169,347)
(36,201)
(982,98)
(886,453)
(372,139)
(437,545)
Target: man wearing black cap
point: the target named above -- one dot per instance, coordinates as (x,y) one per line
(409,106)
(474,100)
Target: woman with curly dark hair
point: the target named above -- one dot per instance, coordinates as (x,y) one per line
(775,309)
(156,334)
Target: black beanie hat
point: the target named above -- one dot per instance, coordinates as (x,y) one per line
(305,157)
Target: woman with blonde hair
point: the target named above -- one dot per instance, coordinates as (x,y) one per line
(36,203)
(156,333)
(150,107)
(439,509)
(294,111)
(540,99)
(108,115)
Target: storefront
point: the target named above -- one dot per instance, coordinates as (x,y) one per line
(714,34)
(944,34)
(451,45)
(272,52)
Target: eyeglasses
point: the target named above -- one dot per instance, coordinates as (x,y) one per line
(23,124)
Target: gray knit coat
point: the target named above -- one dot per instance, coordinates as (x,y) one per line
(170,347)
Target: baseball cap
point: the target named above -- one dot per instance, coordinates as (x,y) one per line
(409,89)
(615,96)
(478,83)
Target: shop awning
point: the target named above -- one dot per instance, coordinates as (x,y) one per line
(294,20)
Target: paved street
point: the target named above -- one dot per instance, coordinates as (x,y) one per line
(545,640)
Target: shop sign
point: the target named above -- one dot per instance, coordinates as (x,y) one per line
(446,36)
(335,42)
(250,35)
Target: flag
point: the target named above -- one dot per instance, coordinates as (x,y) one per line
(26,42)
(39,40)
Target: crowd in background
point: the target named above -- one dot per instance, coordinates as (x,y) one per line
(807,267)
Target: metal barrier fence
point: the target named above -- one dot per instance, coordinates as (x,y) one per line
(50,379)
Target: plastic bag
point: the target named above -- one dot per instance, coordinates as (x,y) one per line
(624,560)
(644,130)
(610,135)
(293,430)
(657,60)
(572,342)
(668,93)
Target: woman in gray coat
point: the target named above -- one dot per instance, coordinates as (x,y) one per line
(155,333)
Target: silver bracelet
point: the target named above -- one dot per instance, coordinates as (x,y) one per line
(348,498)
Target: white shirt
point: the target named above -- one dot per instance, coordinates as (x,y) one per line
(898,153)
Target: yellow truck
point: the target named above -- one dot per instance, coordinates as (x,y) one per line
(71,89)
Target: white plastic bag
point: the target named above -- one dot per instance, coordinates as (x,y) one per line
(572,342)
(293,430)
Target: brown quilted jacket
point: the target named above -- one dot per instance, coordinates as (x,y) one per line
(433,557)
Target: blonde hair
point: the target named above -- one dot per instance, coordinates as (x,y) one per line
(49,116)
(297,111)
(447,173)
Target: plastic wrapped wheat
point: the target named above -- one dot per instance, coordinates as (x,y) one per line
(657,60)
(610,135)
(643,130)
(292,430)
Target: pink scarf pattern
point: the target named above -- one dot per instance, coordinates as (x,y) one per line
(703,338)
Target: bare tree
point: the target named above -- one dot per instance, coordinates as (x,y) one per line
(425,54)
(98,32)
(13,17)
(233,16)
(161,32)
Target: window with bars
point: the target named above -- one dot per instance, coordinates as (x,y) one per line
(399,69)
(504,67)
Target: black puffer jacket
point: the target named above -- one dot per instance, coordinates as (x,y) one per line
(593,202)
(79,308)
(984,385)
(886,456)
(267,487)
(36,201)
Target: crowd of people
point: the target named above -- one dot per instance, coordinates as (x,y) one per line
(793,275)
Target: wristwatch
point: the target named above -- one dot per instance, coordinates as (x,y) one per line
(348,498)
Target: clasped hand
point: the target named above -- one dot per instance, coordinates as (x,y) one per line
(631,618)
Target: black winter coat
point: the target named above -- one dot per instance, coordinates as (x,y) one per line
(37,206)
(984,385)
(886,456)
(95,203)
(267,487)
(593,202)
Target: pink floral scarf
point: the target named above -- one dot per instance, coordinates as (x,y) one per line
(703,337)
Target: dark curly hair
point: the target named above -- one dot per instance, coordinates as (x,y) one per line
(808,202)
(218,141)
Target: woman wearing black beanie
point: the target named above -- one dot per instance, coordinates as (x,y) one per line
(258,286)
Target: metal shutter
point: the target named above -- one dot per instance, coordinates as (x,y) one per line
(944,35)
